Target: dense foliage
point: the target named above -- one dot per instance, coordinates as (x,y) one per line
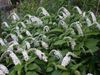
(62,42)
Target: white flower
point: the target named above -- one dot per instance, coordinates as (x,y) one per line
(4,69)
(2,42)
(27,45)
(89,74)
(78,9)
(43,11)
(84,14)
(14,37)
(40,54)
(63,13)
(67,59)
(11,44)
(46,28)
(36,20)
(2,73)
(25,55)
(22,24)
(57,54)
(72,42)
(44,45)
(63,24)
(14,58)
(6,24)
(93,17)
(28,33)
(78,25)
(14,16)
(89,23)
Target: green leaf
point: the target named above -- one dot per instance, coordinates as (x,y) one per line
(31,73)
(13,72)
(92,44)
(33,66)
(56,72)
(61,67)
(49,69)
(65,73)
(56,31)
(30,60)
(59,42)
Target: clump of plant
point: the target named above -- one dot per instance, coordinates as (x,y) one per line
(65,43)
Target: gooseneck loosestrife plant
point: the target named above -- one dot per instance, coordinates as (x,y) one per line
(45,44)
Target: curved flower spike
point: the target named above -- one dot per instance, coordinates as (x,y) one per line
(77,25)
(78,9)
(43,11)
(24,53)
(89,74)
(14,16)
(27,45)
(11,44)
(2,42)
(4,69)
(40,54)
(13,36)
(93,17)
(34,19)
(5,24)
(84,14)
(22,24)
(46,29)
(63,24)
(57,54)
(14,58)
(72,41)
(28,33)
(66,60)
(98,25)
(89,23)
(65,13)
(44,45)
(37,20)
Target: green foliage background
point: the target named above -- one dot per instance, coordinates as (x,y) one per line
(87,48)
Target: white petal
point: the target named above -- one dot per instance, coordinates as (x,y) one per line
(14,58)
(93,17)
(28,44)
(41,55)
(44,11)
(78,9)
(2,42)
(14,37)
(36,20)
(57,54)
(2,73)
(46,28)
(4,69)
(89,74)
(66,60)
(25,55)
(72,41)
(63,24)
(78,27)
(28,33)
(6,24)
(89,23)
(44,45)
